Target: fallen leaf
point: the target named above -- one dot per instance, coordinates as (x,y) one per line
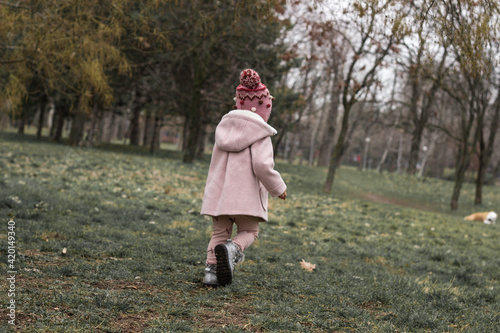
(307,266)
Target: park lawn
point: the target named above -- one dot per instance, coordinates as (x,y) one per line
(389,255)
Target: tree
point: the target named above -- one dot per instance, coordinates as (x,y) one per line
(334,68)
(69,48)
(424,77)
(486,145)
(212,41)
(468,28)
(369,47)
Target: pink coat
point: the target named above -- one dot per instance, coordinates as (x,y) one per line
(242,171)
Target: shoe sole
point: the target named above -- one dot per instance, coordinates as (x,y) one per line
(211,284)
(224,275)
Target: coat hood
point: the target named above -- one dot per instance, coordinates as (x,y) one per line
(239,129)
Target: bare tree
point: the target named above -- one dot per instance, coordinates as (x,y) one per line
(369,48)
(421,70)
(466,27)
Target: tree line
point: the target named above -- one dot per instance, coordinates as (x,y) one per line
(397,85)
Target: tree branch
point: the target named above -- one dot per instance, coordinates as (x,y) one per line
(445,130)
(16,6)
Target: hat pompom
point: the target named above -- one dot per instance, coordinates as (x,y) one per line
(249,79)
(252,93)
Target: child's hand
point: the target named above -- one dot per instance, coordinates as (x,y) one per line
(283,196)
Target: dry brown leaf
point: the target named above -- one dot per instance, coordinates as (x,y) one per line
(307,265)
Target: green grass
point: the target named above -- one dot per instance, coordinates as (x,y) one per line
(136,246)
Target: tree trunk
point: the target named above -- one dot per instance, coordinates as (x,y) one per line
(328,140)
(202,141)
(4,121)
(119,127)
(287,146)
(277,142)
(421,114)
(463,160)
(318,128)
(134,122)
(293,147)
(391,134)
(77,127)
(194,115)
(459,180)
(427,154)
(93,121)
(481,173)
(21,122)
(53,122)
(334,163)
(155,140)
(105,126)
(386,152)
(342,140)
(416,141)
(149,128)
(61,115)
(194,131)
(399,161)
(486,151)
(134,126)
(41,118)
(338,152)
(50,117)
(418,127)
(181,144)
(482,157)
(418,119)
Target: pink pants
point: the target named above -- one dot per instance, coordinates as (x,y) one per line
(248,231)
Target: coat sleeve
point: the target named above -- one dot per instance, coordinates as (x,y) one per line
(263,167)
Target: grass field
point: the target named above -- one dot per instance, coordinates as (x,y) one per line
(389,255)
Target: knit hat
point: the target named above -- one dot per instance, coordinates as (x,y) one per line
(252,95)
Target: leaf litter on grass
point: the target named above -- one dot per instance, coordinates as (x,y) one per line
(383,267)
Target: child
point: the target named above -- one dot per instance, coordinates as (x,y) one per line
(240,176)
